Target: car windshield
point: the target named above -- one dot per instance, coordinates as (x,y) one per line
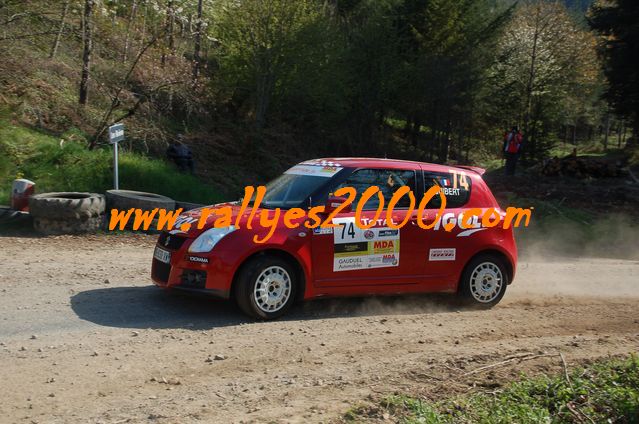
(292,188)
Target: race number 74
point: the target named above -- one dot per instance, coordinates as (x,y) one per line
(348,229)
(459,179)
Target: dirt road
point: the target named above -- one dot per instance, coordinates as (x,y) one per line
(85,338)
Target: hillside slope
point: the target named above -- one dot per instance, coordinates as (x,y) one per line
(61,164)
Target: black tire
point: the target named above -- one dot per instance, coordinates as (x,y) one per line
(123,200)
(127,199)
(66,205)
(10,216)
(248,280)
(471,287)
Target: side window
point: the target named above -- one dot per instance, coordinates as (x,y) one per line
(457,187)
(388,181)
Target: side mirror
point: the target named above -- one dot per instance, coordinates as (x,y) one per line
(334,202)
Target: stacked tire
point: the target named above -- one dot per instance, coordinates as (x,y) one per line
(9,216)
(67,212)
(123,200)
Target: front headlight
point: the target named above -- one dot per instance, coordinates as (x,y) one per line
(206,241)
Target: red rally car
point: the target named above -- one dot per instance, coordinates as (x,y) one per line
(265,279)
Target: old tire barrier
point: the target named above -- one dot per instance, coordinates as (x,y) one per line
(123,200)
(67,212)
(66,205)
(68,226)
(12,217)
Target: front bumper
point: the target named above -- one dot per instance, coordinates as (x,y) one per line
(190,272)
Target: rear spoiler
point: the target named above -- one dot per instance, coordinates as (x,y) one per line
(476,169)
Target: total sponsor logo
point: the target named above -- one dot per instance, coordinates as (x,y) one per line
(378,223)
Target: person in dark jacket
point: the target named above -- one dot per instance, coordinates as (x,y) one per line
(181,155)
(512,148)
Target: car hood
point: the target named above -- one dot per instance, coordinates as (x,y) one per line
(192,217)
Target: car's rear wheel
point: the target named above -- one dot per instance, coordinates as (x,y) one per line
(266,287)
(484,281)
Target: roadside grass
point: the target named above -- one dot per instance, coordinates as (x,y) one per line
(606,391)
(64,164)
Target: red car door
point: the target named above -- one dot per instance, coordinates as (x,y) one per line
(444,258)
(351,256)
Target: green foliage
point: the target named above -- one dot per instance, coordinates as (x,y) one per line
(418,79)
(546,74)
(278,55)
(604,392)
(617,22)
(62,165)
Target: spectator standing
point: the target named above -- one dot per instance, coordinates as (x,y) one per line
(181,155)
(512,149)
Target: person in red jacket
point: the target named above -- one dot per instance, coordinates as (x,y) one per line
(512,148)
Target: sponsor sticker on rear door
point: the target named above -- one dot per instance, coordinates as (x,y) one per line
(356,248)
(447,254)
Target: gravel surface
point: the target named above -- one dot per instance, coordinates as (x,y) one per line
(86,338)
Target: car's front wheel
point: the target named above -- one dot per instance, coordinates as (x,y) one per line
(484,281)
(266,287)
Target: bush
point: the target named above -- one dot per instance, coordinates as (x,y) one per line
(607,391)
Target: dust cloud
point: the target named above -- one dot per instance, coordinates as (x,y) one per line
(578,260)
(616,236)
(559,262)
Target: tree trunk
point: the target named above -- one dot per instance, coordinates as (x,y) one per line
(127,39)
(531,82)
(607,133)
(434,130)
(86,54)
(144,22)
(169,31)
(444,147)
(632,140)
(198,42)
(264,90)
(56,42)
